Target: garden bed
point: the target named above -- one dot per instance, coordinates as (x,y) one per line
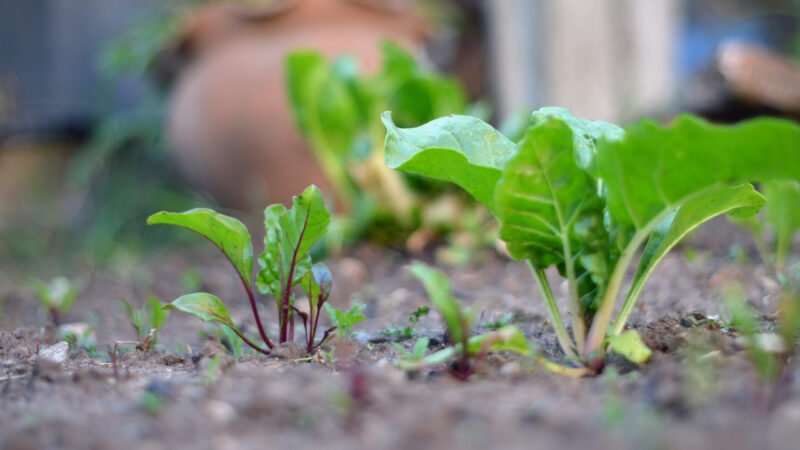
(698,391)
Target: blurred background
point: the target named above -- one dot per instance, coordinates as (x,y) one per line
(112,110)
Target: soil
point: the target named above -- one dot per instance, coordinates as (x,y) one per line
(698,391)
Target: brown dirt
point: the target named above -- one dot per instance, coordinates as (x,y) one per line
(699,390)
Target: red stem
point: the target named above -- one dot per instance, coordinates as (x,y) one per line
(253,305)
(288,286)
(250,343)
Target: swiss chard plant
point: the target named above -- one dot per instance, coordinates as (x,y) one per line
(285,262)
(588,197)
(338,109)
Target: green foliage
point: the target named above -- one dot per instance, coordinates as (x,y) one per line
(780,219)
(344,321)
(440,294)
(56,296)
(290,234)
(146,321)
(337,109)
(417,353)
(586,196)
(407,332)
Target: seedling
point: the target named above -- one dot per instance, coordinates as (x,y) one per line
(585,197)
(770,353)
(780,219)
(56,297)
(147,321)
(457,320)
(407,332)
(417,352)
(285,262)
(344,321)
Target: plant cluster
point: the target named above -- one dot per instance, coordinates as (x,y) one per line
(585,197)
(338,110)
(285,262)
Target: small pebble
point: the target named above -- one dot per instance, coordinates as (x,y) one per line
(55,353)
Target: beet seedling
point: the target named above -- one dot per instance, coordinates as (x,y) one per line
(56,297)
(344,321)
(285,263)
(147,321)
(585,197)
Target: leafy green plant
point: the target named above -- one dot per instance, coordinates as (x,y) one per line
(344,321)
(147,321)
(338,110)
(407,332)
(55,296)
(585,197)
(285,263)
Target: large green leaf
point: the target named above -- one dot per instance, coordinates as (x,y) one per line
(227,233)
(654,169)
(550,214)
(739,201)
(438,287)
(207,307)
(322,104)
(289,236)
(585,133)
(783,214)
(459,149)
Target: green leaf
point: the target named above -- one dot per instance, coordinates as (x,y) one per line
(655,169)
(59,293)
(740,201)
(205,306)
(630,345)
(585,133)
(782,214)
(158,315)
(289,236)
(345,320)
(550,215)
(508,339)
(323,106)
(459,149)
(227,233)
(438,287)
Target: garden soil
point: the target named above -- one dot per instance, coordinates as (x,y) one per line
(699,390)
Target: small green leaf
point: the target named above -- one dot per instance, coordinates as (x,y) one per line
(289,236)
(323,278)
(345,320)
(438,287)
(741,201)
(227,233)
(205,306)
(459,149)
(630,345)
(783,215)
(158,315)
